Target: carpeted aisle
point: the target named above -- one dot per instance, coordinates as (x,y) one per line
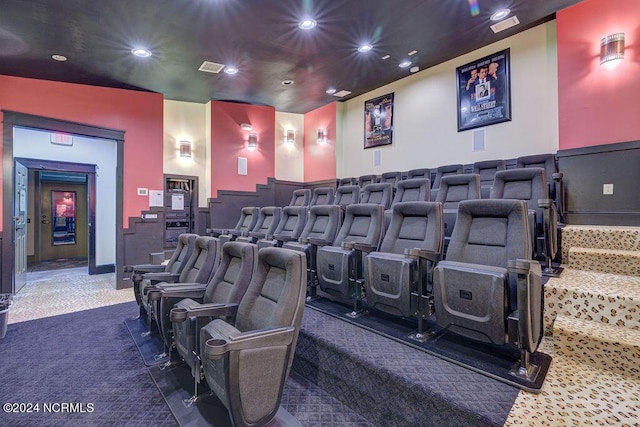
(86,357)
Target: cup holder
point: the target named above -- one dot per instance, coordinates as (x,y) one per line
(178,314)
(215,348)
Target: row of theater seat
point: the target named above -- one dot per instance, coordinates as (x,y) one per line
(237,325)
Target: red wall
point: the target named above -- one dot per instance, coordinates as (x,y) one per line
(139,114)
(320,159)
(229,141)
(597,105)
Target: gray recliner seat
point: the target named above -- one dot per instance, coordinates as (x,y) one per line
(392,178)
(454,189)
(339,266)
(300,197)
(192,307)
(246,222)
(265,225)
(553,177)
(394,283)
(289,229)
(347,181)
(529,184)
(175,265)
(410,190)
(419,173)
(488,288)
(247,363)
(442,172)
(347,195)
(365,180)
(380,193)
(487,171)
(322,196)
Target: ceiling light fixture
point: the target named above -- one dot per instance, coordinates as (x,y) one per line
(60,58)
(330,91)
(140,52)
(231,70)
(413,52)
(307,24)
(365,48)
(404,64)
(500,14)
(386,57)
(286,82)
(414,69)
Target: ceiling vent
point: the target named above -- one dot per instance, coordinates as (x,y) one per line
(503,25)
(342,93)
(211,67)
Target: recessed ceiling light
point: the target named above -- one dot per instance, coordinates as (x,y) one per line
(500,14)
(342,93)
(404,64)
(365,48)
(386,57)
(286,82)
(142,53)
(413,52)
(414,69)
(60,58)
(331,91)
(307,24)
(231,70)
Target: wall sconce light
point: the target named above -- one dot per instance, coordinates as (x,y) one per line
(322,136)
(612,48)
(252,142)
(246,126)
(185,148)
(290,136)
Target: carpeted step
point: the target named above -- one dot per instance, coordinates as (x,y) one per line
(608,298)
(614,261)
(599,237)
(601,345)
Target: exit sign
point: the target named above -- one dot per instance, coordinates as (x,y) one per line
(61,139)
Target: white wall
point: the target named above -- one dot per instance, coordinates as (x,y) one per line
(289,159)
(187,121)
(35,144)
(425,118)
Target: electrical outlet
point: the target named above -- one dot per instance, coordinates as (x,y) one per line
(607,189)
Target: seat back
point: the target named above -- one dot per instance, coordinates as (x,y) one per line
(300,197)
(182,253)
(454,189)
(419,173)
(347,195)
(391,177)
(365,180)
(528,184)
(231,279)
(202,261)
(413,190)
(248,218)
(322,196)
(347,181)
(267,222)
(381,193)
(414,225)
(487,171)
(323,223)
(292,222)
(363,223)
(544,161)
(446,171)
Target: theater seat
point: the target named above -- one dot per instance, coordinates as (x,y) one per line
(347,195)
(488,288)
(292,222)
(246,222)
(265,225)
(487,172)
(394,283)
(339,264)
(177,262)
(553,177)
(419,173)
(300,197)
(410,190)
(365,180)
(347,181)
(380,193)
(392,178)
(247,362)
(442,172)
(195,306)
(322,196)
(454,189)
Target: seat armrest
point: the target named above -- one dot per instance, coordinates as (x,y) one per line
(203,310)
(423,253)
(185,290)
(545,203)
(216,348)
(284,238)
(148,268)
(364,247)
(319,242)
(529,302)
(162,277)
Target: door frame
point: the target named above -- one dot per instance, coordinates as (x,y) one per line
(82,168)
(12,119)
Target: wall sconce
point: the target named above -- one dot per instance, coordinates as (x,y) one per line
(185,148)
(246,126)
(322,136)
(612,48)
(252,142)
(290,137)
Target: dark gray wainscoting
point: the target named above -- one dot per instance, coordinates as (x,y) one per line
(587,169)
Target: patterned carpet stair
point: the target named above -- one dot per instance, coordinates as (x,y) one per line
(603,346)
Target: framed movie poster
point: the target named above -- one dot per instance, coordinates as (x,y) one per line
(484,91)
(378,121)
(64,218)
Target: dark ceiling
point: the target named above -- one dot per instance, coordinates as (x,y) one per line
(260,37)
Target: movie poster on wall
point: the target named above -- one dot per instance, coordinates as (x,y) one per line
(484,91)
(378,121)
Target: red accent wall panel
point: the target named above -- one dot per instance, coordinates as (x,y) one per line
(139,114)
(229,141)
(320,159)
(597,104)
